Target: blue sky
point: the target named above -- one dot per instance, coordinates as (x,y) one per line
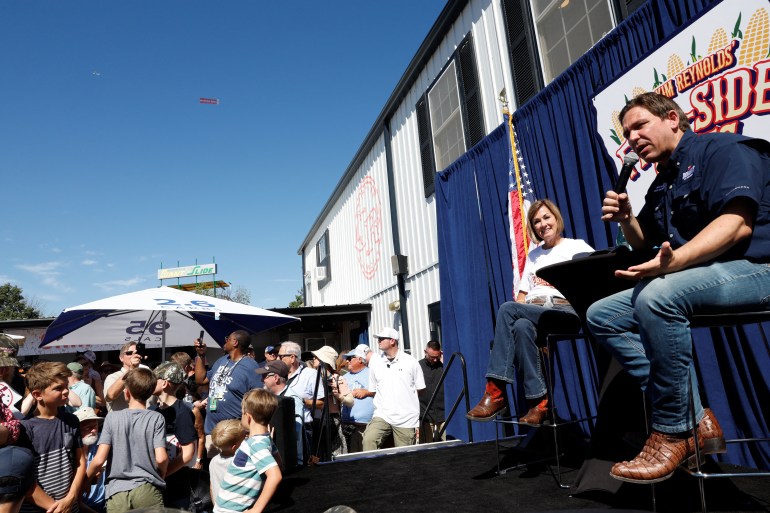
(110,165)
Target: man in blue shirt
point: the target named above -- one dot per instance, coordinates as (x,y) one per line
(229,379)
(708,214)
(356,411)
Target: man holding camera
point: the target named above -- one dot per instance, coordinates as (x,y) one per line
(114,383)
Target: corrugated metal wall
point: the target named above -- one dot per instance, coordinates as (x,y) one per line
(356,282)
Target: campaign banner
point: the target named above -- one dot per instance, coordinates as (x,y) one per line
(717,69)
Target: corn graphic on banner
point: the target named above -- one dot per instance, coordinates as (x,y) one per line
(717,69)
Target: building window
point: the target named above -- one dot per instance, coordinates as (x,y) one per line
(434,320)
(566,29)
(449,115)
(446,119)
(323,270)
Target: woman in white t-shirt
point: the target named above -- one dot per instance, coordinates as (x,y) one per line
(539,309)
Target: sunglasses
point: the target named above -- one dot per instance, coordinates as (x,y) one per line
(129,353)
(285,355)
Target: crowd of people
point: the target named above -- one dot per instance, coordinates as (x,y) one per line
(132,436)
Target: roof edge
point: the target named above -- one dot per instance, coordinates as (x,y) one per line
(445,19)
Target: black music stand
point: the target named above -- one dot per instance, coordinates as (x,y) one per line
(583,281)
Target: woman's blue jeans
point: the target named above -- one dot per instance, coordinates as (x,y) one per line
(520,328)
(647,329)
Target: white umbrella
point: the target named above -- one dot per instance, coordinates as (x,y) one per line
(158,317)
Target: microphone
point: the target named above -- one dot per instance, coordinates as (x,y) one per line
(629,161)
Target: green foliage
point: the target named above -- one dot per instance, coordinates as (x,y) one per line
(234,294)
(737,29)
(299,300)
(14,306)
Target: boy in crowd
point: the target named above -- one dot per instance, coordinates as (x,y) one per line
(253,476)
(226,436)
(54,438)
(137,438)
(180,434)
(93,498)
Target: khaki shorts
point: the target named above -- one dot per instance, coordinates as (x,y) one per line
(143,496)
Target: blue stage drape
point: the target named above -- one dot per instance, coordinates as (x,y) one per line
(567,162)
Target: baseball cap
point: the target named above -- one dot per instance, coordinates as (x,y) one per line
(270,349)
(75,367)
(16,463)
(360,350)
(388,333)
(170,371)
(87,413)
(275,367)
(9,347)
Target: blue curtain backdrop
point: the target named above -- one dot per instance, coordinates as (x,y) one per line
(567,162)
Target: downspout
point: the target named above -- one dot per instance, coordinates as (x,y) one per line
(400,272)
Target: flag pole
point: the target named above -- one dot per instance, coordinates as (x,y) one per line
(514,154)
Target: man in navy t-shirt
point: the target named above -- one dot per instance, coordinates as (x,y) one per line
(707,213)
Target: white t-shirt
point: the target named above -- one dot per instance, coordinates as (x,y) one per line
(539,258)
(120,402)
(395,384)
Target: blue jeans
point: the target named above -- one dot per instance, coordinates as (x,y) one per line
(518,330)
(647,329)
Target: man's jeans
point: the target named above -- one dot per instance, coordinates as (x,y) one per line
(518,330)
(647,329)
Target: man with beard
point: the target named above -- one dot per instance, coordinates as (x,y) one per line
(90,422)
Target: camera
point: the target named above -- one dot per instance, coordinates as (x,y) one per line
(140,347)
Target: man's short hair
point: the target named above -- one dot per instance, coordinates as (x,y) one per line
(182,358)
(657,105)
(43,374)
(141,383)
(243,338)
(227,433)
(260,404)
(125,347)
(291,348)
(433,344)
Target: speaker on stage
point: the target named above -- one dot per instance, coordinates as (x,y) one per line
(285,432)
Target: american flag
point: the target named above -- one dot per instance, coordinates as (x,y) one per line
(520,196)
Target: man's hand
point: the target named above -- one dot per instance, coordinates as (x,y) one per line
(616,207)
(360,393)
(133,361)
(664,262)
(200,347)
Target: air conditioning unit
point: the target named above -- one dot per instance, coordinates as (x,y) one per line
(319,273)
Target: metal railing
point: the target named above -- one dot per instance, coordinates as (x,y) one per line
(463,393)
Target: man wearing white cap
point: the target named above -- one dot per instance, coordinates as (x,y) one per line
(395,379)
(357,412)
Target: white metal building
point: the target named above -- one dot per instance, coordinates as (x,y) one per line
(375,240)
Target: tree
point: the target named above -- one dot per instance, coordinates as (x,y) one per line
(299,300)
(234,294)
(13,305)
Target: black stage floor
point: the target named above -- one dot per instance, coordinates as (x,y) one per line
(464,479)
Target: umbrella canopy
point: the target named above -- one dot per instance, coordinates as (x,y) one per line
(139,317)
